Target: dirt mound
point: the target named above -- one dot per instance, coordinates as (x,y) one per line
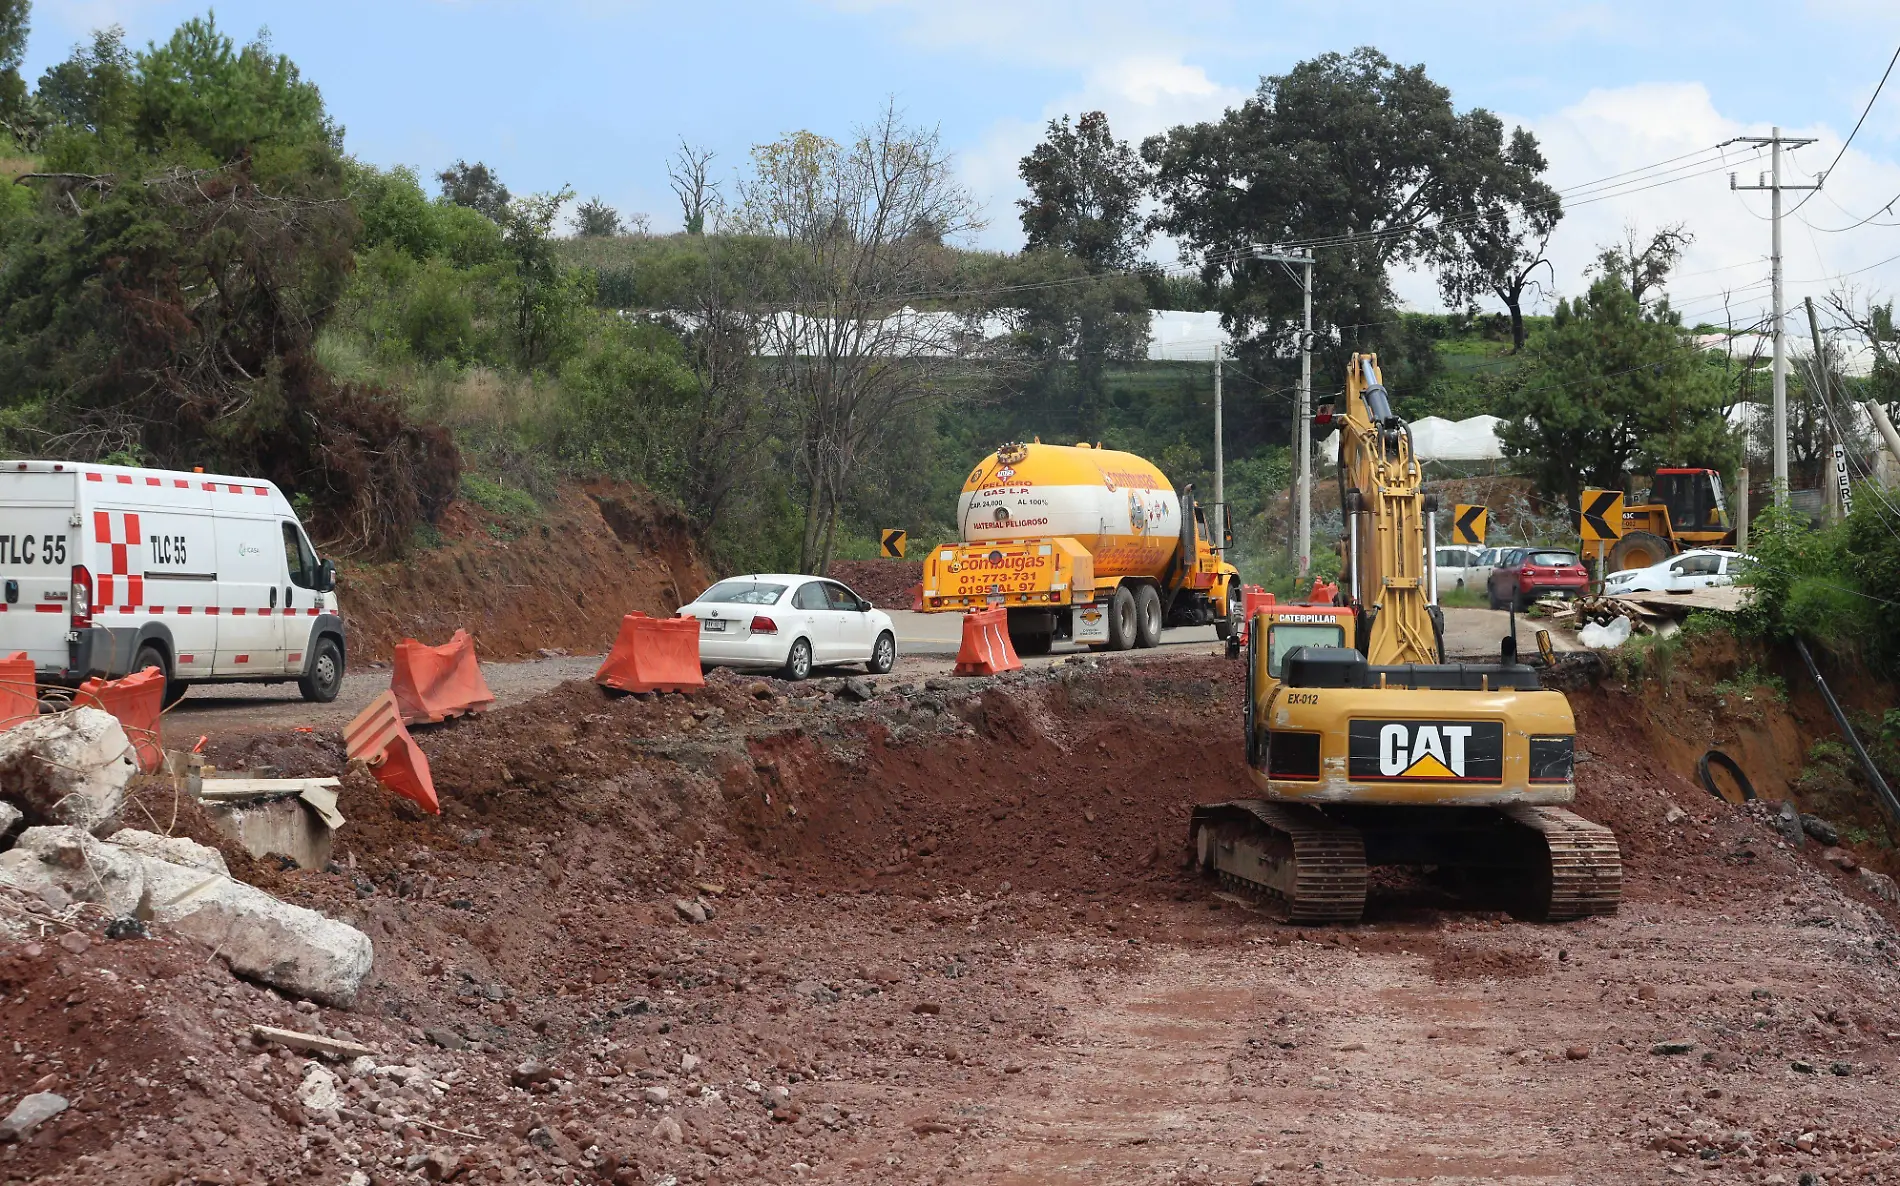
(562,579)
(890,584)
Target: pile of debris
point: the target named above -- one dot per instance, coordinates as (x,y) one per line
(63,783)
(1660,614)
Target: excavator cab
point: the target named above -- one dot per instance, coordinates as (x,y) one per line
(1692,498)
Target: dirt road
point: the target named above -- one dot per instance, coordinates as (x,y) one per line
(950,935)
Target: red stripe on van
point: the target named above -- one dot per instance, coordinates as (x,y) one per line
(259,490)
(187,658)
(240,659)
(45,607)
(102,527)
(124,479)
(132,535)
(181,483)
(151,481)
(95,477)
(239,611)
(295,657)
(184,609)
(156,609)
(212,610)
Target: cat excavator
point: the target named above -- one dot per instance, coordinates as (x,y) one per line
(1372,750)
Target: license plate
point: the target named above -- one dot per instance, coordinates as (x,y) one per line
(712,625)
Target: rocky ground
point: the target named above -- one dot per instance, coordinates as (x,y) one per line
(941,930)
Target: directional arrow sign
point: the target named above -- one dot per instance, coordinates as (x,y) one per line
(1602,517)
(891,542)
(1467,524)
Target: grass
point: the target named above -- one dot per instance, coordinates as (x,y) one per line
(505,502)
(1463,599)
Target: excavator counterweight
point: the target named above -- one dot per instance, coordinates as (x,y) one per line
(1367,748)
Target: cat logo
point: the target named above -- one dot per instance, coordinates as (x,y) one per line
(1426,751)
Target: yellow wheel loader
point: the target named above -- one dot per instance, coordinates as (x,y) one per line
(1367,748)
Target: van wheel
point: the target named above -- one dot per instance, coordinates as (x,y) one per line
(151,656)
(326,673)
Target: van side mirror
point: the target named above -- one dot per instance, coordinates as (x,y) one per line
(326,576)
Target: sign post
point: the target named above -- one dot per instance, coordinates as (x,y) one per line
(1600,521)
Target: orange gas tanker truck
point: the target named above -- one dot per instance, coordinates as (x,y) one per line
(1083,543)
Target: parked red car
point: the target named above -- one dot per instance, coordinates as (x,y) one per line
(1534,573)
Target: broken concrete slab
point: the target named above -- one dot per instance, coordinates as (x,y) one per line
(71,862)
(10,817)
(68,768)
(179,850)
(288,827)
(259,937)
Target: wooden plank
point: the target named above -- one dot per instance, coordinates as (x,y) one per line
(1723,598)
(314,1043)
(255,788)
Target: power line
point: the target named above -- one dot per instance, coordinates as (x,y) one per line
(1857,123)
(1886,208)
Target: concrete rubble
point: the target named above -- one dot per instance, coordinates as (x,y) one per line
(30,1113)
(287,947)
(68,768)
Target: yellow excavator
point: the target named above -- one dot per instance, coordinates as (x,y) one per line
(1375,751)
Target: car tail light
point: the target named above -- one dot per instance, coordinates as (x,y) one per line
(764,625)
(82,597)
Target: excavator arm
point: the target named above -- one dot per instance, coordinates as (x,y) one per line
(1391,577)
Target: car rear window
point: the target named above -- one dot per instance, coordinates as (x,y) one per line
(1550,559)
(743,592)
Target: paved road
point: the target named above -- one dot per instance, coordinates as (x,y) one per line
(927,645)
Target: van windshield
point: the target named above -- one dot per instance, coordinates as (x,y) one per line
(1282,639)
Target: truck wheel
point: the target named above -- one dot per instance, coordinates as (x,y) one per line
(1639,549)
(1027,645)
(1122,626)
(326,673)
(1147,617)
(1224,620)
(151,656)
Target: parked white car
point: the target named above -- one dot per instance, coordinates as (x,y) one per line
(1699,568)
(790,623)
(1461,567)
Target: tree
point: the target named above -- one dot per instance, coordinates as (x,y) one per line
(1612,389)
(1351,147)
(546,296)
(596,219)
(1083,222)
(851,354)
(1494,244)
(91,91)
(689,173)
(1644,266)
(475,186)
(13,30)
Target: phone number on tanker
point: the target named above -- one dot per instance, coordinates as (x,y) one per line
(967,584)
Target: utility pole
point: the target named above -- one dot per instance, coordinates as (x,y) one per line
(1219,525)
(1303,418)
(1774,188)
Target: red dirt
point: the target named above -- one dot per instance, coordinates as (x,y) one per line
(957,975)
(595,554)
(889,584)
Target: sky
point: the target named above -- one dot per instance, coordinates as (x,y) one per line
(597,93)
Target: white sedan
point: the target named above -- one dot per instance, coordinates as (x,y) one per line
(790,623)
(1698,568)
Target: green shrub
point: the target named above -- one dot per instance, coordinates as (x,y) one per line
(506,502)
(439,320)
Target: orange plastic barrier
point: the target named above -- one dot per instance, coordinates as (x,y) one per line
(986,648)
(137,700)
(19,698)
(377,737)
(432,684)
(1323,593)
(654,655)
(1253,599)
(917,598)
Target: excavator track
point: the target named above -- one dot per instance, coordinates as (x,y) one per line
(1583,875)
(1314,866)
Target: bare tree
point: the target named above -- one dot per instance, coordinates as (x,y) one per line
(1645,265)
(1496,241)
(851,353)
(689,173)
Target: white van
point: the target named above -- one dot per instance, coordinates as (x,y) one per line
(109,570)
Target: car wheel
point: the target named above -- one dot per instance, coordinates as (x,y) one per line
(326,673)
(1491,595)
(883,655)
(798,662)
(1147,617)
